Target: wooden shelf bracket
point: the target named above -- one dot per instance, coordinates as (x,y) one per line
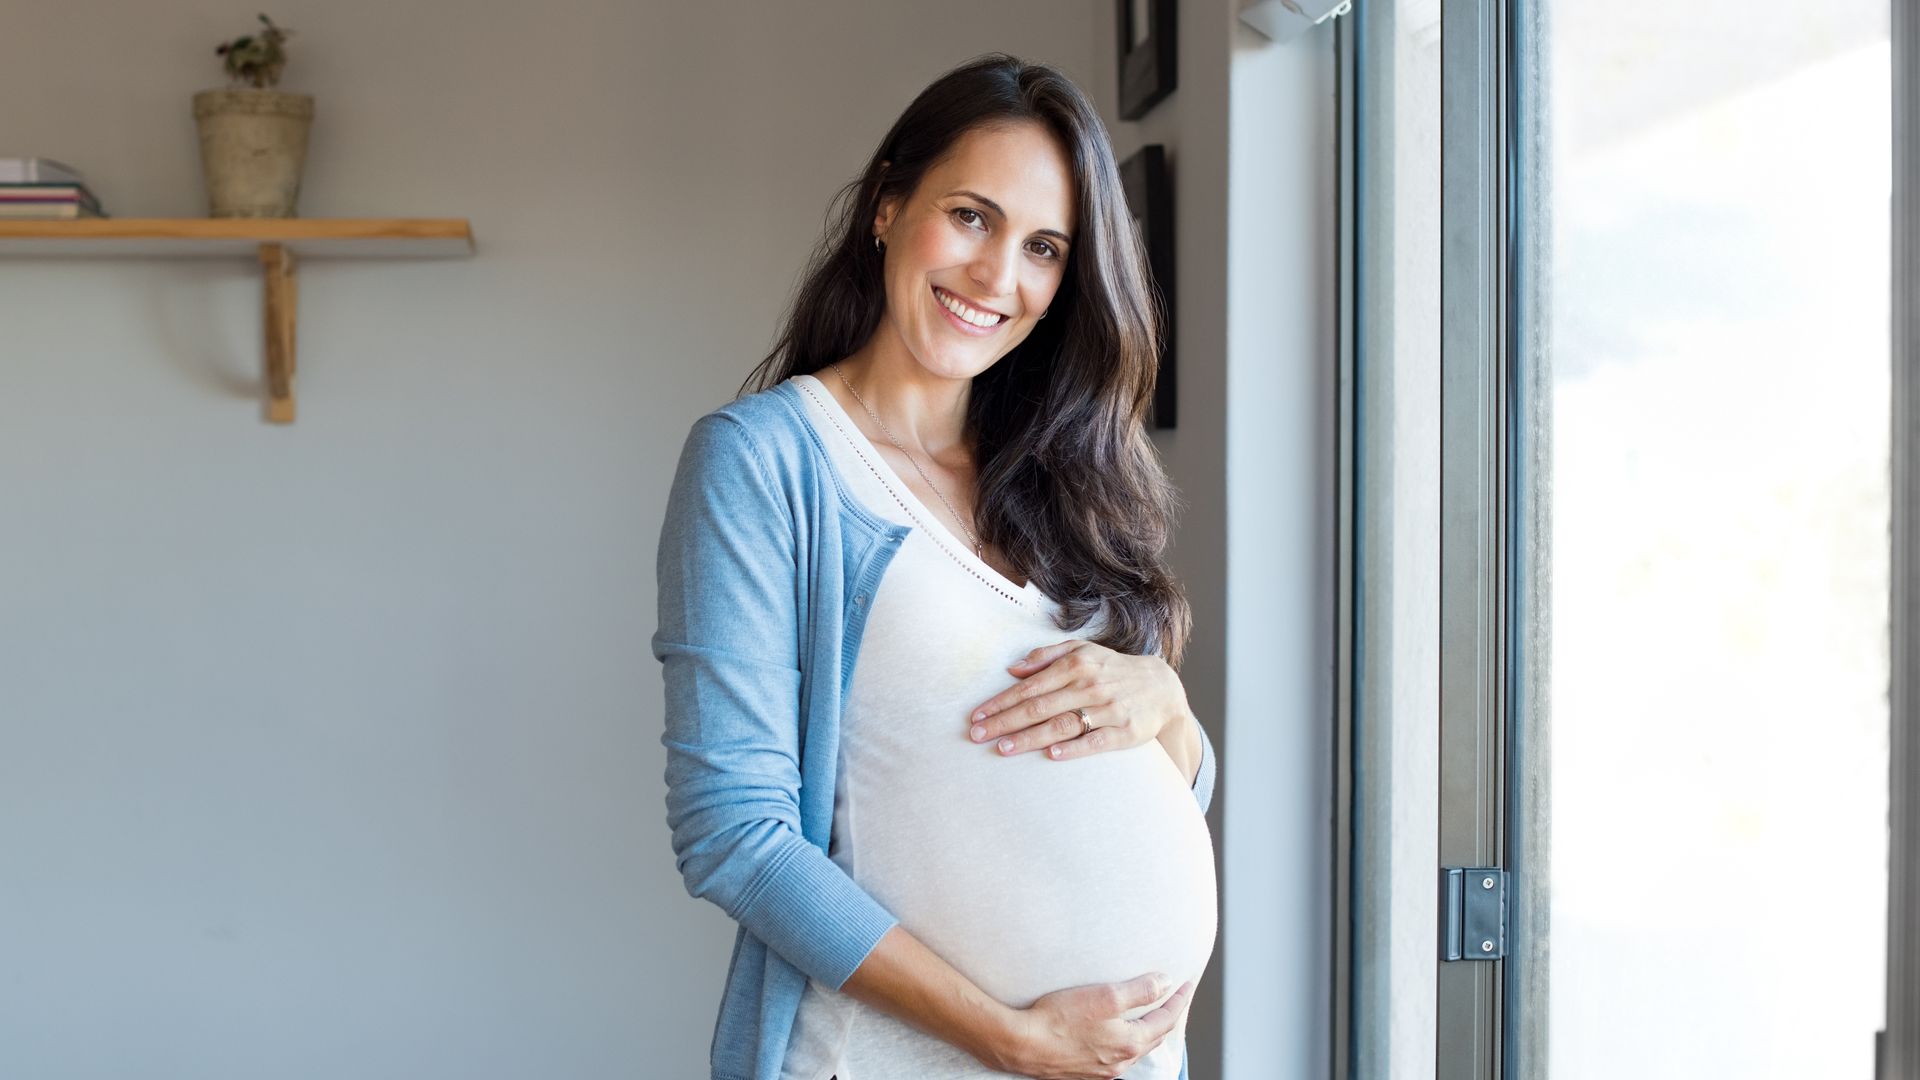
(282,295)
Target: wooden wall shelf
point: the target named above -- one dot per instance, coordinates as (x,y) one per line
(274,241)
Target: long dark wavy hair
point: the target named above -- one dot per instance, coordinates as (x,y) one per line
(1070,486)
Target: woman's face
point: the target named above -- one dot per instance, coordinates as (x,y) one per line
(977,252)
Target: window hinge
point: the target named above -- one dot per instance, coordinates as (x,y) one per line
(1473,913)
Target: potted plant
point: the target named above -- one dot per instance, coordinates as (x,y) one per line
(253,139)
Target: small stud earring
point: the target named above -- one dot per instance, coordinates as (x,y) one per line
(879,244)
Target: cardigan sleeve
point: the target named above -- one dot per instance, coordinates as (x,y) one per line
(1203,780)
(729,642)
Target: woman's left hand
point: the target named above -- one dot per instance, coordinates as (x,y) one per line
(1130,700)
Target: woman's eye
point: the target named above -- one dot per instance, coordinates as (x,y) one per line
(967,210)
(1046,249)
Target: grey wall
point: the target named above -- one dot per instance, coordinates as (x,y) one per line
(332,749)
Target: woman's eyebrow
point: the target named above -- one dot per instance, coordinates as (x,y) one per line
(995,207)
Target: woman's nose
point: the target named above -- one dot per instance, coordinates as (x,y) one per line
(995,270)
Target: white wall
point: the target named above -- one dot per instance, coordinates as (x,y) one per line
(333,749)
(1280,472)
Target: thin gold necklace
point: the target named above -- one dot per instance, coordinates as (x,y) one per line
(978,548)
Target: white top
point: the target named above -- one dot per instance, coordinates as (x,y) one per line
(1027,874)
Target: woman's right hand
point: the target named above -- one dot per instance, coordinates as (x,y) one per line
(1080,1034)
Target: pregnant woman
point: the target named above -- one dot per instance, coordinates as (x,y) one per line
(925,738)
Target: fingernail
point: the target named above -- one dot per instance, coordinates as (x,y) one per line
(980,714)
(1053,751)
(1006,746)
(979,733)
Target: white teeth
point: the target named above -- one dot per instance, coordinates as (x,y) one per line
(977,318)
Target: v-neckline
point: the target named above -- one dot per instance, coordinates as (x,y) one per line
(931,523)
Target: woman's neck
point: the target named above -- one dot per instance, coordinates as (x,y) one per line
(926,412)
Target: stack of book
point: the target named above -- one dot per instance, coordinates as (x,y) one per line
(43,188)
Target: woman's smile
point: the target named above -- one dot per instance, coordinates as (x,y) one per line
(965,317)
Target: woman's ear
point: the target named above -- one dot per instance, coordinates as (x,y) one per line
(887,206)
(883,216)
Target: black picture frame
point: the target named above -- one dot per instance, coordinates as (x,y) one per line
(1146,59)
(1147,183)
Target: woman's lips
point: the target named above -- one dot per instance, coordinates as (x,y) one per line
(961,324)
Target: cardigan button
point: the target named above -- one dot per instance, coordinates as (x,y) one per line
(861,599)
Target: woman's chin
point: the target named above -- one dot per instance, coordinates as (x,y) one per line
(955,358)
(959,363)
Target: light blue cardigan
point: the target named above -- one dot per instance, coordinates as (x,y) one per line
(766,566)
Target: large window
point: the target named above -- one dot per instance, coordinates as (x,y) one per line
(1618,492)
(1719,374)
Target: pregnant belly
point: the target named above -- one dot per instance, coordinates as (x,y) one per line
(1030,875)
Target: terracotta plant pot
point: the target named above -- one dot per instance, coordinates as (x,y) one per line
(253,147)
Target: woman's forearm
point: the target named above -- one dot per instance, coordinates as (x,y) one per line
(907,980)
(1182,743)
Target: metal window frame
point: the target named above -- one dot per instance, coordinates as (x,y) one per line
(1491,529)
(1340,1019)
(1363,942)
(1530,531)
(1899,1045)
(1476,512)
